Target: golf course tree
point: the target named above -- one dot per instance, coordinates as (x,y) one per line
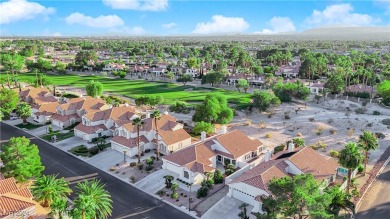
(384,91)
(92,201)
(9,99)
(242,84)
(23,110)
(213,78)
(12,62)
(185,79)
(286,91)
(50,189)
(340,201)
(214,109)
(351,158)
(41,80)
(262,100)
(298,196)
(203,127)
(21,159)
(84,56)
(147,100)
(368,141)
(94,88)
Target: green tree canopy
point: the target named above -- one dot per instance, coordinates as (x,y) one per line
(262,100)
(21,159)
(242,84)
(384,91)
(350,157)
(203,127)
(367,141)
(9,99)
(84,56)
(213,78)
(24,111)
(286,91)
(50,189)
(185,78)
(94,88)
(214,109)
(335,82)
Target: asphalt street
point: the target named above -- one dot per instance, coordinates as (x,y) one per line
(128,202)
(376,203)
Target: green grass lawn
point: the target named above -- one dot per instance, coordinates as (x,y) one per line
(28,126)
(60,136)
(136,88)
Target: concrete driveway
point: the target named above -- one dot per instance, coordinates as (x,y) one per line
(226,208)
(155,181)
(106,159)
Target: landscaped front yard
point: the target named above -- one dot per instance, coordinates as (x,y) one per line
(59,136)
(28,126)
(135,88)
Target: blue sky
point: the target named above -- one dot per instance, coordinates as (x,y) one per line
(172,17)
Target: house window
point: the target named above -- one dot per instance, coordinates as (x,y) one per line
(248,156)
(219,158)
(186,175)
(234,162)
(254,153)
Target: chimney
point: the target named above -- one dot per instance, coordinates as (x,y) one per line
(267,156)
(290,147)
(224,129)
(203,136)
(147,115)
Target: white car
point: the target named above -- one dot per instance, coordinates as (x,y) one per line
(13,118)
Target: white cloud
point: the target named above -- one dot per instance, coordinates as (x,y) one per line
(57,34)
(341,15)
(169,26)
(141,5)
(278,25)
(16,10)
(221,24)
(103,21)
(137,30)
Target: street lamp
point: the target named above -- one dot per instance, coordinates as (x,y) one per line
(124,156)
(189,198)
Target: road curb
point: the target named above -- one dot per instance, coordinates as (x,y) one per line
(109,173)
(358,204)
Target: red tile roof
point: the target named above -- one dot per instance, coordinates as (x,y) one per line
(238,143)
(90,129)
(115,113)
(62,118)
(130,143)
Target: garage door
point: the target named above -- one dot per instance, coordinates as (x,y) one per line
(173,168)
(242,196)
(116,147)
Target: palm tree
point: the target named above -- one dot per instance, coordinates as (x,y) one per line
(350,157)
(367,141)
(93,201)
(59,206)
(340,200)
(138,122)
(156,115)
(24,111)
(49,189)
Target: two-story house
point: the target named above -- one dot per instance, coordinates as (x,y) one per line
(253,184)
(193,162)
(171,136)
(42,113)
(71,112)
(103,123)
(37,96)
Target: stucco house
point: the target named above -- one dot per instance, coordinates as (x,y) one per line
(171,136)
(37,96)
(193,162)
(42,113)
(103,123)
(253,184)
(316,87)
(71,112)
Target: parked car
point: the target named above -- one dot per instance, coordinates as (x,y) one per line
(13,117)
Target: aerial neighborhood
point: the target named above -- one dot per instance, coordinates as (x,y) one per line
(230,129)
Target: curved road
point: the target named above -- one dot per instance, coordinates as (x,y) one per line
(128,202)
(376,203)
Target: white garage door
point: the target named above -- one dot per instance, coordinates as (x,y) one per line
(242,196)
(173,168)
(116,147)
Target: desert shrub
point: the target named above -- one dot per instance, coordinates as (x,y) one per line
(133,164)
(270,113)
(93,150)
(287,115)
(132,179)
(361,110)
(350,132)
(330,120)
(311,119)
(262,124)
(299,134)
(279,148)
(175,195)
(268,135)
(318,145)
(149,161)
(319,130)
(202,192)
(149,168)
(386,122)
(161,193)
(347,114)
(332,131)
(140,166)
(370,124)
(334,153)
(376,113)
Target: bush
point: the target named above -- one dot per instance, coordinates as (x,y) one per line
(279,148)
(360,168)
(179,107)
(330,120)
(355,192)
(133,164)
(311,119)
(140,166)
(299,134)
(268,135)
(218,177)
(319,130)
(94,150)
(380,135)
(376,113)
(202,192)
(149,161)
(149,168)
(51,129)
(161,193)
(360,94)
(175,195)
(350,132)
(334,153)
(386,122)
(332,131)
(81,149)
(361,110)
